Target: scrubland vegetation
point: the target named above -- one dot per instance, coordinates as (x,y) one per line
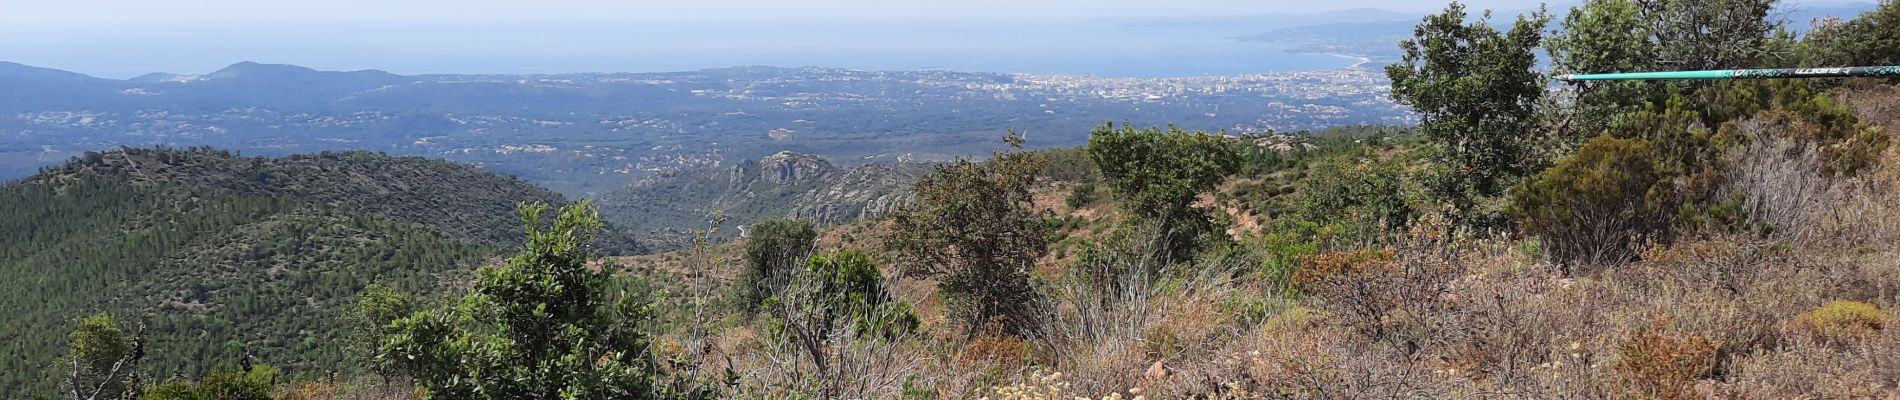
(1609,240)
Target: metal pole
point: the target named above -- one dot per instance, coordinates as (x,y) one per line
(1768,73)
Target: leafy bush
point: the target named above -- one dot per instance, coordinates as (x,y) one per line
(249,383)
(1842,320)
(1365,198)
(774,250)
(973,225)
(1158,174)
(1473,87)
(1872,38)
(1661,170)
(1797,110)
(1596,205)
(1846,146)
(843,289)
(102,360)
(834,332)
(1601,36)
(540,325)
(1080,196)
(1069,165)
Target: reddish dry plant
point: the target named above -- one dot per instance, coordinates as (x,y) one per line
(1659,364)
(996,350)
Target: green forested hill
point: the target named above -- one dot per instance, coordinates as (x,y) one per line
(458,200)
(221,255)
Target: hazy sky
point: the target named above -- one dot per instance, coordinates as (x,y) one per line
(64,12)
(125,38)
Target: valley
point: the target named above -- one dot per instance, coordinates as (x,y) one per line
(588,134)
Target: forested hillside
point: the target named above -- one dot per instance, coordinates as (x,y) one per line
(222,256)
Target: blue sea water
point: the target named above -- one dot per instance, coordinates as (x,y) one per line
(1085,47)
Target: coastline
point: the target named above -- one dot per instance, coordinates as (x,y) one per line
(1362,60)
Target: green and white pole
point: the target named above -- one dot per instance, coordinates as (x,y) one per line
(1768,73)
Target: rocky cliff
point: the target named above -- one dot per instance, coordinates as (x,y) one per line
(666,206)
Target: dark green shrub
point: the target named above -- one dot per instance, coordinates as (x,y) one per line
(841,293)
(250,383)
(1596,205)
(774,250)
(1081,196)
(1158,174)
(103,360)
(543,324)
(1873,38)
(1361,197)
(973,226)
(1474,88)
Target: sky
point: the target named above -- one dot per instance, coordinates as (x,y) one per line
(104,13)
(127,38)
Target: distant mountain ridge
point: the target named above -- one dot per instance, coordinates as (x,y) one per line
(1378,39)
(1275,21)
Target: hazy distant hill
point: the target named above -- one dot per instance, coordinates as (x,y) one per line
(1378,40)
(664,208)
(223,255)
(1272,21)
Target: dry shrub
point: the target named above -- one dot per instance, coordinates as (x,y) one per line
(1740,293)
(1041,385)
(1811,369)
(1396,294)
(1432,317)
(1842,321)
(1302,355)
(1357,286)
(835,330)
(1188,324)
(1123,319)
(1734,289)
(1659,363)
(1785,183)
(310,391)
(998,350)
(1873,101)
(1524,330)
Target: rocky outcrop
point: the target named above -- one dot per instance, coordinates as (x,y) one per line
(782,185)
(788,168)
(863,192)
